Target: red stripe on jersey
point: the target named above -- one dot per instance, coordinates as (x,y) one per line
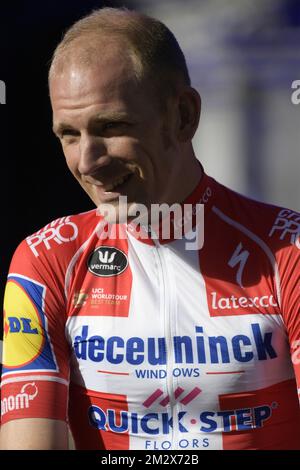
(234,285)
(273,414)
(87,409)
(30,399)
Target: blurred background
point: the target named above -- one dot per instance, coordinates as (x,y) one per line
(243,57)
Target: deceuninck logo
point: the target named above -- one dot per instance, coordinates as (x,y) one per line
(199,348)
(107,261)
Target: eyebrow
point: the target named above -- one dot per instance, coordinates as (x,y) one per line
(111,116)
(58,128)
(98,118)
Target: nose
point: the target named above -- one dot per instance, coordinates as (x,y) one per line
(93,155)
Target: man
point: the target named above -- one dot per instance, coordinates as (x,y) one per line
(136,340)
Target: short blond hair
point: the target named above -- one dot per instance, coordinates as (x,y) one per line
(153,48)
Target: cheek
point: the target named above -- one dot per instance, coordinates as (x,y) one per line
(166,138)
(123,147)
(71,159)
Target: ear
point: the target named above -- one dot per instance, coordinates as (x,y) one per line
(189,110)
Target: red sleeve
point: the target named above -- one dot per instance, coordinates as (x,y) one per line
(35,350)
(289,267)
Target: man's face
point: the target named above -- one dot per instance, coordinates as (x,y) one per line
(115,139)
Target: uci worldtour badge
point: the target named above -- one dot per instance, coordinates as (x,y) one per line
(107,261)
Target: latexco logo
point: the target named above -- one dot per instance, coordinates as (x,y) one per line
(232,302)
(107,261)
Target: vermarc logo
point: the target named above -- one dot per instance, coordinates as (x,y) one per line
(103,257)
(107,261)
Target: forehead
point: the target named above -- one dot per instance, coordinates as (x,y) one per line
(78,81)
(108,81)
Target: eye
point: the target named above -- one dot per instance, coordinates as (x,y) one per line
(68,132)
(68,136)
(113,125)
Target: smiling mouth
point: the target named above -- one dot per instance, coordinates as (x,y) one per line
(117,182)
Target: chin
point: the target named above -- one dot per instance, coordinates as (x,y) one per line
(116,213)
(113,212)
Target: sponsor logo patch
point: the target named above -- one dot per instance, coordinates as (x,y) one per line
(287,227)
(21,400)
(107,261)
(58,232)
(201,349)
(26,341)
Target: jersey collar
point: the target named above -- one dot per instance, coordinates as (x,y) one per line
(203,193)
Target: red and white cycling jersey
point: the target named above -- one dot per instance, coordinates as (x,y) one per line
(143,344)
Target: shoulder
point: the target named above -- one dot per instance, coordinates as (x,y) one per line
(55,244)
(275,226)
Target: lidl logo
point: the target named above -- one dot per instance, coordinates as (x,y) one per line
(23,324)
(27,344)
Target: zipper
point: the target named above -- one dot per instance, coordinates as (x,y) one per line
(169,312)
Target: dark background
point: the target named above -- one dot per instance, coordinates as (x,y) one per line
(36,186)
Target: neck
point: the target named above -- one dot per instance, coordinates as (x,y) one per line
(186,180)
